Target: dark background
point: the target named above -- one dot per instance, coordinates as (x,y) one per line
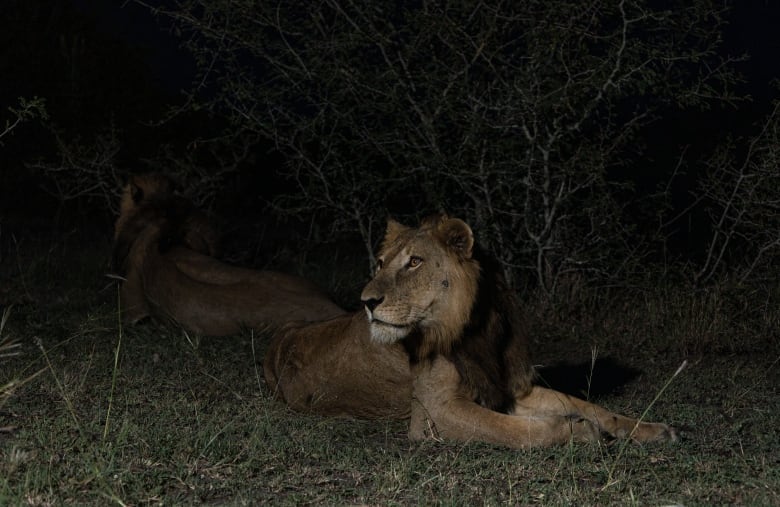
(99,63)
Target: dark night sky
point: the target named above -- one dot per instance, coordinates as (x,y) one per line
(752,29)
(138,28)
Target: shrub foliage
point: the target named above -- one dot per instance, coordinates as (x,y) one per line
(510,114)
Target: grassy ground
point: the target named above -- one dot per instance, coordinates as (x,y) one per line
(147,415)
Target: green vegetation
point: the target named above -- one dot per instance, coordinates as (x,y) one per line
(144,415)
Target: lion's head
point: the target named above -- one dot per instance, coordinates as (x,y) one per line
(140,191)
(150,200)
(426,282)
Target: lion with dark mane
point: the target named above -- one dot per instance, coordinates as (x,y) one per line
(440,340)
(163,250)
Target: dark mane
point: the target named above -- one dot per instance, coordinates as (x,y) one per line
(491,354)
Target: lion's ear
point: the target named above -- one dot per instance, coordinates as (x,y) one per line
(394,229)
(136,192)
(457,235)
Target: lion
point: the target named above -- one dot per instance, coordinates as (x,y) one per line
(151,198)
(163,251)
(439,341)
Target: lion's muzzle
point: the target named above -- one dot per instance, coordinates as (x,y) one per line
(372,303)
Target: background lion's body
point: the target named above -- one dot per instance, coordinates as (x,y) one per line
(163,258)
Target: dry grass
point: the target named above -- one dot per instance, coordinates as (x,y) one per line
(145,416)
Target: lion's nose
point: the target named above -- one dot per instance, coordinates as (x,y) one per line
(372,303)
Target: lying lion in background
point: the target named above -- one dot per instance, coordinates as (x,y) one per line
(163,249)
(440,341)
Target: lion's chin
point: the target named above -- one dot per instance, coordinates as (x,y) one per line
(382,332)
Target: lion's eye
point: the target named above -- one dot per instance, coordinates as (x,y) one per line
(379,264)
(414,261)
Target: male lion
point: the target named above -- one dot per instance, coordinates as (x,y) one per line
(440,340)
(163,249)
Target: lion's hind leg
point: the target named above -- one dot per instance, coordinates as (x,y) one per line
(541,401)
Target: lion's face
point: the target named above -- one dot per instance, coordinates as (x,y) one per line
(142,189)
(426,281)
(150,200)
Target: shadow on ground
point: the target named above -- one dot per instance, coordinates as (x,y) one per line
(587,380)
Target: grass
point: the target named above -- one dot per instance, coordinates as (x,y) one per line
(146,415)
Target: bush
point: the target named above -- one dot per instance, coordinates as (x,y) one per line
(507,114)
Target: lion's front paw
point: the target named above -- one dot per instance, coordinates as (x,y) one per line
(583,430)
(654,432)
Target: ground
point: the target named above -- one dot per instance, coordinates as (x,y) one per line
(149,415)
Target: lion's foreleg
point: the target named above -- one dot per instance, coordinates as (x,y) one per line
(464,421)
(541,401)
(440,410)
(132,300)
